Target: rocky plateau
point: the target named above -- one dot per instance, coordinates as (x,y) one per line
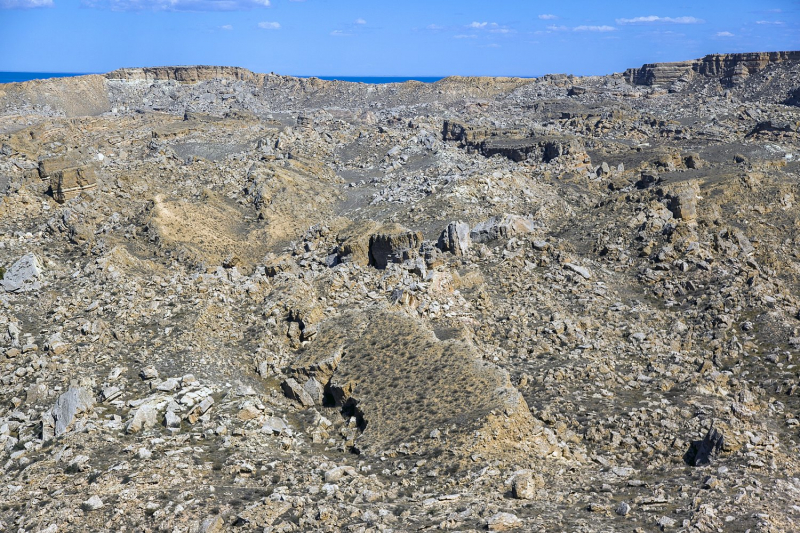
(233,301)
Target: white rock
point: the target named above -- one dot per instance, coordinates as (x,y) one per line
(93,503)
(168,385)
(171,420)
(74,401)
(145,417)
(335,474)
(24,275)
(582,271)
(274,425)
(503,522)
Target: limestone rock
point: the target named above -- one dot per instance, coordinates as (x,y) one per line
(49,166)
(293,390)
(702,452)
(375,382)
(394,246)
(682,200)
(93,503)
(731,68)
(184,74)
(24,275)
(578,269)
(503,226)
(503,522)
(274,425)
(69,182)
(526,484)
(71,403)
(455,238)
(335,474)
(146,416)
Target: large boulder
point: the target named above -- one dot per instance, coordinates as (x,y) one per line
(395,245)
(502,226)
(368,243)
(455,238)
(69,182)
(681,199)
(24,275)
(49,166)
(58,420)
(701,452)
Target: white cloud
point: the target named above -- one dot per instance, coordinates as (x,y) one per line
(462,36)
(547,16)
(269,25)
(594,28)
(724,34)
(174,5)
(25,4)
(483,25)
(360,21)
(501,30)
(340,33)
(774,22)
(492,45)
(557,28)
(227,27)
(654,18)
(434,27)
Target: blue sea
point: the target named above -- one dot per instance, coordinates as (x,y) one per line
(8,77)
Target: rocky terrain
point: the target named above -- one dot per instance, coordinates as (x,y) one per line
(248,302)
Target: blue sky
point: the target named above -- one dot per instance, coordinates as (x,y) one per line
(379,38)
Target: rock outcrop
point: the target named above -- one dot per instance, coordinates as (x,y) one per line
(378,383)
(514,144)
(730,68)
(185,74)
(68,182)
(393,245)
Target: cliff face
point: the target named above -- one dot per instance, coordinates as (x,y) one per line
(732,68)
(187,74)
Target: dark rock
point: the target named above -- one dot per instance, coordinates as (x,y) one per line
(395,247)
(701,452)
(693,160)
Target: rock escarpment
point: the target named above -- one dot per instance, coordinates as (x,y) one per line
(185,74)
(730,68)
